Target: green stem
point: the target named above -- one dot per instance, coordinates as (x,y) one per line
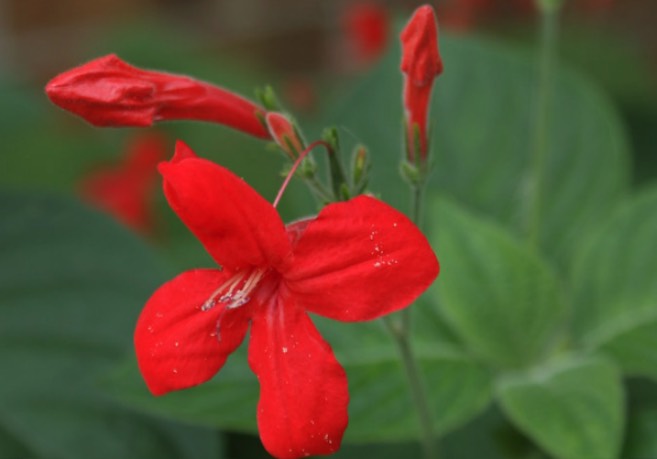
(401,332)
(318,189)
(548,46)
(417,195)
(416,385)
(336,174)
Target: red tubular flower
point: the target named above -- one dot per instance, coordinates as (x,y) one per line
(125,191)
(366,28)
(421,63)
(355,261)
(110,92)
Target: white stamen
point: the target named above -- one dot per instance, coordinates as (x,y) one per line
(231,295)
(229,285)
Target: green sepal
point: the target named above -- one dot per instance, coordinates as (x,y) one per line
(360,168)
(410,173)
(267,97)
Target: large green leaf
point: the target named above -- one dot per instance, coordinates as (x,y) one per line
(71,286)
(615,290)
(482,137)
(572,408)
(641,437)
(380,408)
(500,297)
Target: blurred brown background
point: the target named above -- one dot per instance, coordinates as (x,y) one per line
(39,38)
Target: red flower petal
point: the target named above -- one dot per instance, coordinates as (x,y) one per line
(303,389)
(234,223)
(360,260)
(179,345)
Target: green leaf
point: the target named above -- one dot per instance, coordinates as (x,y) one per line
(380,407)
(641,436)
(572,408)
(615,290)
(482,116)
(500,298)
(72,283)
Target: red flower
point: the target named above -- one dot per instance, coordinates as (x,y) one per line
(125,191)
(421,63)
(366,28)
(110,92)
(355,261)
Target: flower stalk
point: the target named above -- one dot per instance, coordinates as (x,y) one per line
(548,51)
(421,64)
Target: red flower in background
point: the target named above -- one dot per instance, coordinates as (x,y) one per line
(421,63)
(366,27)
(126,190)
(110,92)
(355,261)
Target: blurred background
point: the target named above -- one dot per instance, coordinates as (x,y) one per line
(315,53)
(309,48)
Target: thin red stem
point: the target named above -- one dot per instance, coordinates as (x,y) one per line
(296,164)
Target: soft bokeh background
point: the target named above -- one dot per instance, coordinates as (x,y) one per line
(69,294)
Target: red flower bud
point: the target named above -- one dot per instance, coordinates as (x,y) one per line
(421,63)
(283,132)
(110,92)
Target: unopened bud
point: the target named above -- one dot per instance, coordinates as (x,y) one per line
(331,137)
(421,63)
(109,92)
(284,134)
(360,168)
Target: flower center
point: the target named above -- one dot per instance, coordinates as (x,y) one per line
(236,291)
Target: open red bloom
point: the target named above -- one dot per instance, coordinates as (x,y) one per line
(110,92)
(355,261)
(421,63)
(125,190)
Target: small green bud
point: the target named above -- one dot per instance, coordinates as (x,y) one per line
(360,167)
(308,168)
(345,194)
(267,97)
(330,136)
